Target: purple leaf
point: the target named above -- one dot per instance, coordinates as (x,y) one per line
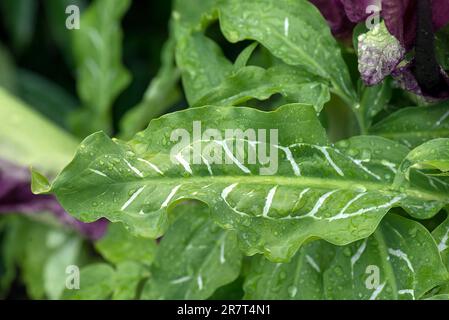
(333,11)
(16,197)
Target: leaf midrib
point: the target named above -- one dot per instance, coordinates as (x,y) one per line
(319,183)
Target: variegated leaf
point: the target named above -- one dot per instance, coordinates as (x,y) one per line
(194,258)
(399,261)
(297,187)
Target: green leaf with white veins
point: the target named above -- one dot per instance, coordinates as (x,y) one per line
(415,125)
(295,187)
(250,82)
(399,261)
(194,258)
(286,28)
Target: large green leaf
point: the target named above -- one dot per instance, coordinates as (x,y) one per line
(29,139)
(250,82)
(310,189)
(286,28)
(194,258)
(401,254)
(415,125)
(118,245)
(100,73)
(160,95)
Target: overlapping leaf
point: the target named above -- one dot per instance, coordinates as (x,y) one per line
(118,245)
(415,125)
(309,189)
(100,281)
(399,261)
(194,258)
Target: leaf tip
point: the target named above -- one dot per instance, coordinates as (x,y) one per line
(39,183)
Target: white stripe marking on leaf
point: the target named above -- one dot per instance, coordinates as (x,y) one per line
(377,291)
(408,291)
(227,190)
(231,156)
(132,198)
(224,195)
(208,165)
(289,155)
(329,159)
(269,201)
(170,196)
(181,280)
(401,255)
(222,253)
(350,202)
(200,282)
(99,173)
(440,121)
(134,169)
(312,263)
(153,166)
(286,26)
(365,210)
(357,256)
(320,203)
(358,163)
(184,163)
(443,244)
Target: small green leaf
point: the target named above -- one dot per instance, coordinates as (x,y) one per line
(194,258)
(65,254)
(96,283)
(118,245)
(399,261)
(373,100)
(432,155)
(127,278)
(244,56)
(202,63)
(415,125)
